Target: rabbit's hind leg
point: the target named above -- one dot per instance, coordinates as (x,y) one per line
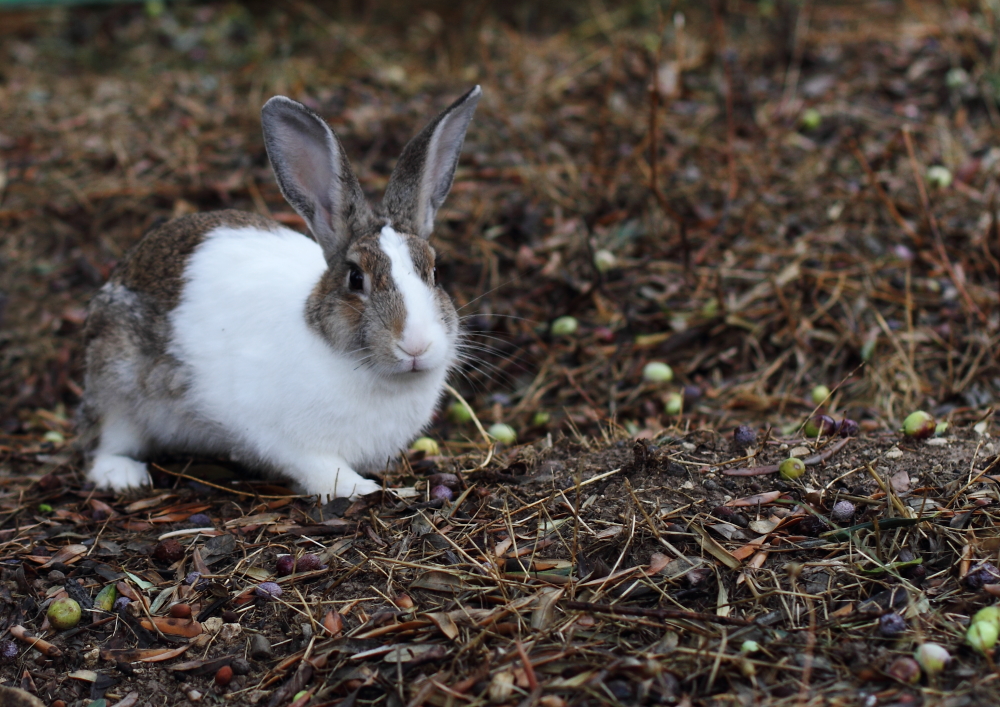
(114,464)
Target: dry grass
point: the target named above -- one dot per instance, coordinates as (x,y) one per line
(756,253)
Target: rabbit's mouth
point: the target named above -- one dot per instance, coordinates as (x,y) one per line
(414,364)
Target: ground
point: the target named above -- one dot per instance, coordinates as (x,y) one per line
(768,197)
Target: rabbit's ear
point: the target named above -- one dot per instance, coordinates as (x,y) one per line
(313,172)
(422,177)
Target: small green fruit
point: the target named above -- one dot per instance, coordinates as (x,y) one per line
(749,647)
(541,418)
(941,429)
(565,326)
(956,78)
(792,468)
(426,445)
(54,437)
(657,372)
(819,394)
(459,413)
(932,657)
(64,613)
(674,404)
(810,119)
(604,260)
(105,598)
(982,636)
(990,614)
(502,433)
(919,425)
(44,508)
(938,176)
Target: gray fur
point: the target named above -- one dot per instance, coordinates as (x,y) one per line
(423,176)
(314,175)
(129,367)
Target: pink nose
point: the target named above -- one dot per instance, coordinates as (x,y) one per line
(414,348)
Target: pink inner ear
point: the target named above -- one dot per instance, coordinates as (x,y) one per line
(311,170)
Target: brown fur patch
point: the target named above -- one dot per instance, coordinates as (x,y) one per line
(422,256)
(156,265)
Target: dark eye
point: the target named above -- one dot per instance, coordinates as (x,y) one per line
(356,280)
(434,276)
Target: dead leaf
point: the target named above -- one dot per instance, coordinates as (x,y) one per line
(444,623)
(67,555)
(542,616)
(900,481)
(758,499)
(142,655)
(414,651)
(188,628)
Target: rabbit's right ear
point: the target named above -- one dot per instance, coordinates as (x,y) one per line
(313,172)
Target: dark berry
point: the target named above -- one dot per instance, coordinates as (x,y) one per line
(848,428)
(744,436)
(891,625)
(168,551)
(285,565)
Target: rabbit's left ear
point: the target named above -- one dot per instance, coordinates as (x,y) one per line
(423,176)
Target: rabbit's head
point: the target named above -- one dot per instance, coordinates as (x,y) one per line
(378,300)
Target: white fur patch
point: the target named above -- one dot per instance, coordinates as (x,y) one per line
(270,387)
(421,343)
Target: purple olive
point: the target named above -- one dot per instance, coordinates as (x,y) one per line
(820,425)
(121,603)
(442,492)
(444,479)
(268,590)
(8,651)
(285,565)
(309,563)
(744,436)
(192,577)
(891,625)
(982,574)
(848,428)
(200,520)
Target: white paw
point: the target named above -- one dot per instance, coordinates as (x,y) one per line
(355,487)
(118,473)
(358,487)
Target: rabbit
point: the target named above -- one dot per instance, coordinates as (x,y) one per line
(225,333)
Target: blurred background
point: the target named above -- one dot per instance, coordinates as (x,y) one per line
(766,196)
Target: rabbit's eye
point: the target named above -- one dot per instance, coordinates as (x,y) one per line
(356,279)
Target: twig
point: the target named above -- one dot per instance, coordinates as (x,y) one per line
(479,426)
(880,192)
(217,486)
(39,644)
(662,614)
(809,461)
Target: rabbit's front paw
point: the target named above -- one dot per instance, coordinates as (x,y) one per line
(118,472)
(356,487)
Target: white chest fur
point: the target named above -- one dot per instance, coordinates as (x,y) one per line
(270,381)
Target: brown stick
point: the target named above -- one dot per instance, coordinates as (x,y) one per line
(880,192)
(655,613)
(39,644)
(771,468)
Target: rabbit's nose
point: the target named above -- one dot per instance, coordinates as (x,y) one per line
(414,348)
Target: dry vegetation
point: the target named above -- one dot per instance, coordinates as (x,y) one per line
(760,175)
